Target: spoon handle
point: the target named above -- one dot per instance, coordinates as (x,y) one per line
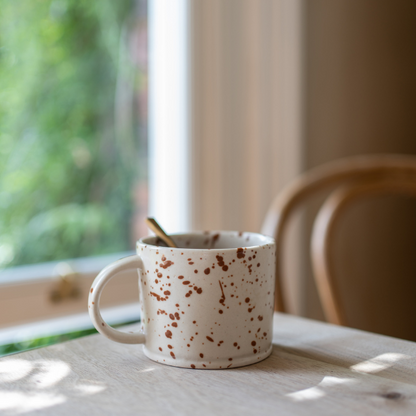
(157,229)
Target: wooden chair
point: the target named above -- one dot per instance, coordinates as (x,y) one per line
(352,178)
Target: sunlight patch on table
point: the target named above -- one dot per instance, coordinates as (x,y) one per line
(316,392)
(329,381)
(379,363)
(146,370)
(87,389)
(49,373)
(308,394)
(27,402)
(15,369)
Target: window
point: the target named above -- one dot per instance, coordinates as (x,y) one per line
(225,117)
(73,149)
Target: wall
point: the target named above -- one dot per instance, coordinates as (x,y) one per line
(246,105)
(360,89)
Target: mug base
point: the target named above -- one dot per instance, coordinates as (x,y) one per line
(199,364)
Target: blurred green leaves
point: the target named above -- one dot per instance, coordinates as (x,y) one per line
(43,342)
(50,340)
(67,162)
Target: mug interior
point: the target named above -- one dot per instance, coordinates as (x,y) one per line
(212,240)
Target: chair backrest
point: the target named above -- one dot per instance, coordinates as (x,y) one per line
(352,178)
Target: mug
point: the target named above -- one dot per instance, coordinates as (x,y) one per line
(207,304)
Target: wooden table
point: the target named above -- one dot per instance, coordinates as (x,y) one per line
(315,369)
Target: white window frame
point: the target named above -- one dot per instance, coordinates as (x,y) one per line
(169,115)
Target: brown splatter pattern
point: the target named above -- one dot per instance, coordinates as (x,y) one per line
(222,291)
(166,263)
(238,287)
(158,297)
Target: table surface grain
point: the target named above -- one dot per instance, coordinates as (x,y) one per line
(315,369)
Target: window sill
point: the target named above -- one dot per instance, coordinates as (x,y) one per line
(25,291)
(78,322)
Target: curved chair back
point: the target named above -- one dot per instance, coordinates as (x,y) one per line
(352,178)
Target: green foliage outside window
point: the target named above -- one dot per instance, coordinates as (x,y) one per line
(69,147)
(50,340)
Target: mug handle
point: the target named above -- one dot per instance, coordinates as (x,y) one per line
(127,263)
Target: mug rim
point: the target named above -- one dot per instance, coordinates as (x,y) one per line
(267,240)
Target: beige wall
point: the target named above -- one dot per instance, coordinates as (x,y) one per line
(245,72)
(245,95)
(360,97)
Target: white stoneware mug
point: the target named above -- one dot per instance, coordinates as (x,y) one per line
(207,304)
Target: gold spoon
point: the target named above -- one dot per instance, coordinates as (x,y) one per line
(157,229)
